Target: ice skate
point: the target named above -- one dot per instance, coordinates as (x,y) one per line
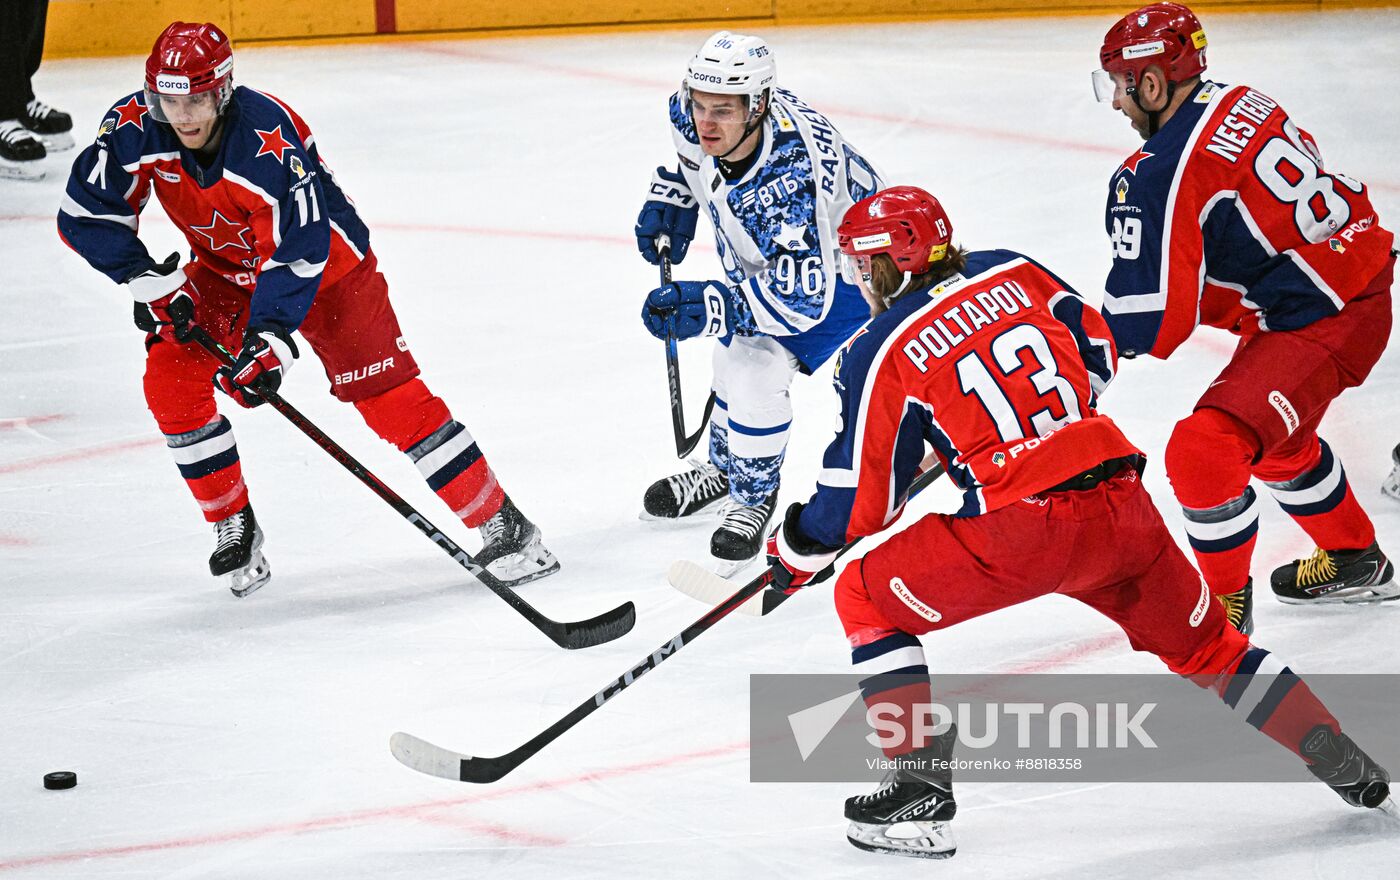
(1337,576)
(1350,772)
(1391,486)
(909,814)
(686,493)
(740,536)
(1239,607)
(20,152)
(238,553)
(53,127)
(513,549)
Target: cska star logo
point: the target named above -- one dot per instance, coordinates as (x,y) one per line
(223,232)
(273,144)
(1132,162)
(130,113)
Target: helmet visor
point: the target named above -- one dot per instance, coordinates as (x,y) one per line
(195,109)
(1105,87)
(855,269)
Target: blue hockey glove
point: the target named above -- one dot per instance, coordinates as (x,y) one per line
(687,309)
(670,210)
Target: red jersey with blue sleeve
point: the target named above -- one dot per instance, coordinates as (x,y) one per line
(998,369)
(1226,217)
(266,213)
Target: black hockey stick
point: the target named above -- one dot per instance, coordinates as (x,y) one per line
(423,756)
(570,634)
(700,583)
(685,443)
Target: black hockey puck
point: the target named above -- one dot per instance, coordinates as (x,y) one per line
(60,780)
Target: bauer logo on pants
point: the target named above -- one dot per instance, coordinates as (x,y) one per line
(1285,410)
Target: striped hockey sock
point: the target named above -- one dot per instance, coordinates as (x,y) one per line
(896,688)
(1320,500)
(1271,698)
(456,470)
(208,460)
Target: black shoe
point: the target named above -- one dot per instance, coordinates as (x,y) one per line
(513,549)
(18,144)
(916,800)
(1239,607)
(1350,772)
(40,118)
(740,537)
(1328,576)
(685,493)
(238,541)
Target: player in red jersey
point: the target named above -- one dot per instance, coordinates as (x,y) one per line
(997,364)
(276,247)
(1226,217)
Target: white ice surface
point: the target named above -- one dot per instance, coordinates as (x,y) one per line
(216,737)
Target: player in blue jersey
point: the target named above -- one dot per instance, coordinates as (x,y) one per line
(774,178)
(276,248)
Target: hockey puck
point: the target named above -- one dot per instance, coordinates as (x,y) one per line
(60,780)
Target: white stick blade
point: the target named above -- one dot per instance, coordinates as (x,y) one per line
(423,756)
(700,583)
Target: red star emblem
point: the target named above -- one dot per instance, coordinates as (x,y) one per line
(130,113)
(273,144)
(223,232)
(1132,162)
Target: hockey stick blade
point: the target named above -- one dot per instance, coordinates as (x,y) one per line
(605,627)
(423,756)
(700,583)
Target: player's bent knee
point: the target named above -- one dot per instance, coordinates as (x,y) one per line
(861,619)
(404,414)
(1208,457)
(1214,656)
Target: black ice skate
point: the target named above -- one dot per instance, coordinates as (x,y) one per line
(1350,772)
(238,553)
(909,814)
(1391,486)
(740,537)
(513,549)
(20,152)
(685,493)
(54,127)
(1332,576)
(1239,607)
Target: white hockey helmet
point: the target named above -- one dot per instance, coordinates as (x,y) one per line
(732,64)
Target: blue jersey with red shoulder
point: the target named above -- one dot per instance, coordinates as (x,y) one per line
(264,212)
(998,369)
(1226,217)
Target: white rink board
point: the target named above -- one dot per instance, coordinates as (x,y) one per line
(216,737)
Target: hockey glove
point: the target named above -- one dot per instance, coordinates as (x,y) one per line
(795,559)
(261,363)
(165,301)
(687,309)
(669,210)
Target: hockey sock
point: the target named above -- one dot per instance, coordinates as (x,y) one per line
(1320,500)
(1272,699)
(1207,461)
(208,460)
(416,421)
(719,436)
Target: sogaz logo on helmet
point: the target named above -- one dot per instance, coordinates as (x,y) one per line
(172,84)
(1143,50)
(706,77)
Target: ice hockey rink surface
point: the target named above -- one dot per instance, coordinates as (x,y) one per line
(222,738)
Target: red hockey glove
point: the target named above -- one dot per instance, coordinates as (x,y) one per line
(165,301)
(795,559)
(262,362)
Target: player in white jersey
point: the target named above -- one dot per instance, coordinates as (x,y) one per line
(774,177)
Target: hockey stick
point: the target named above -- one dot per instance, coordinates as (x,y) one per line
(423,756)
(700,583)
(685,443)
(569,634)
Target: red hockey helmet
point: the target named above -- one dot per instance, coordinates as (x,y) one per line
(903,222)
(1164,35)
(188,60)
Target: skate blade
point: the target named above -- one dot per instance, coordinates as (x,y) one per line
(1390,808)
(56,143)
(1391,486)
(20,170)
(919,840)
(729,569)
(709,511)
(531,564)
(1386,592)
(251,578)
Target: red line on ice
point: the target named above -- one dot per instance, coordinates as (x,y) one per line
(83,454)
(29,420)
